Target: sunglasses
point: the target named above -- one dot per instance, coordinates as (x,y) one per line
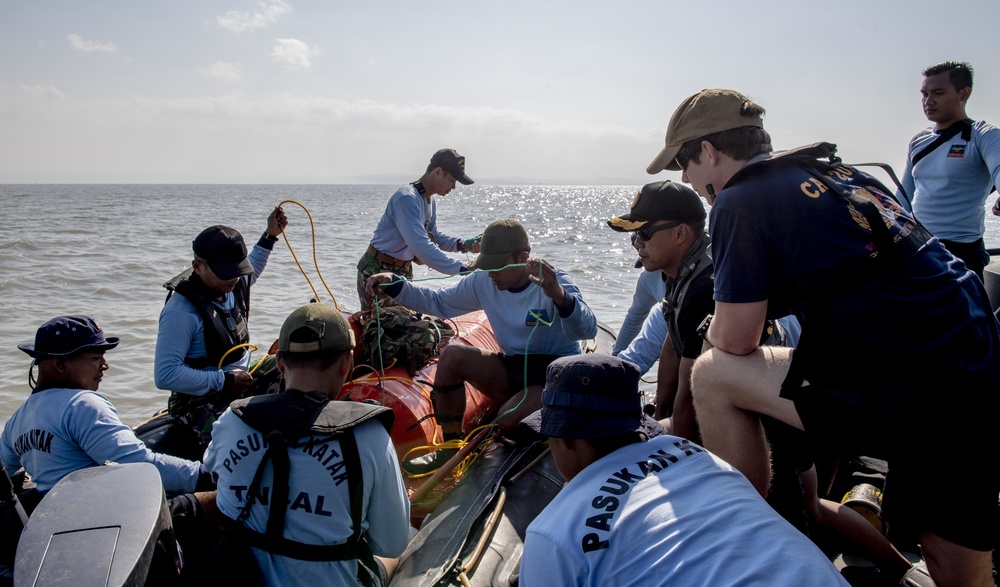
(688,150)
(646,233)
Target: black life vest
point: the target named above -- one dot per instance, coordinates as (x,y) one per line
(290,420)
(697,260)
(223,330)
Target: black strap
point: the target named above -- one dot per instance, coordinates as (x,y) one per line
(280,441)
(962,126)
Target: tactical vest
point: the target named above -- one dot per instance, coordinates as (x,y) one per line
(223,329)
(697,261)
(290,420)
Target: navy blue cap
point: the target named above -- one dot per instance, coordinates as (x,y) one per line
(591,396)
(225,252)
(66,335)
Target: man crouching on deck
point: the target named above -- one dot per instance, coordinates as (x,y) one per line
(332,501)
(534,326)
(641,507)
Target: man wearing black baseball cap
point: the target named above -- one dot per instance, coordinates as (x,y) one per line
(64,425)
(668,220)
(407,233)
(640,503)
(198,358)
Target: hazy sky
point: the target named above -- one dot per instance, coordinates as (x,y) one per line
(325,91)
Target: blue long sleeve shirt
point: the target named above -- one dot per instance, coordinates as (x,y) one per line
(401,232)
(949,187)
(58,431)
(181,336)
(649,290)
(525,322)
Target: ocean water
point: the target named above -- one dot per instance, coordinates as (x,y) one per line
(106,250)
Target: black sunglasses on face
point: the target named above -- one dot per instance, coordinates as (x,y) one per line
(686,153)
(646,232)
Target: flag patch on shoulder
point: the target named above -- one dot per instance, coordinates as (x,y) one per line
(957,151)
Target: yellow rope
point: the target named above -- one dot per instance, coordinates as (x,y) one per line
(315,261)
(252,347)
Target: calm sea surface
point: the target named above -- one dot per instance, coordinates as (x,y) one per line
(105,251)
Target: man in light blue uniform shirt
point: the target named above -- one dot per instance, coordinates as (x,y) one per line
(952,167)
(345,517)
(206,323)
(64,425)
(650,288)
(537,313)
(641,507)
(408,233)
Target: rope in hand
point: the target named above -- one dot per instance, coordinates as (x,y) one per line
(462,467)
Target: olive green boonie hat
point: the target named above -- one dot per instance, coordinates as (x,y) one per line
(703,114)
(315,327)
(500,239)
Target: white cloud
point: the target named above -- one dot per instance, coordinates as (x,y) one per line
(41,92)
(293,54)
(78,44)
(241,22)
(222,70)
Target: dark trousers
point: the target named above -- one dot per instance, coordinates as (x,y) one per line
(974,254)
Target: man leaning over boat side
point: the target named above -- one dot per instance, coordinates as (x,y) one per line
(205,323)
(338,514)
(952,167)
(889,321)
(407,232)
(669,220)
(537,313)
(641,507)
(65,425)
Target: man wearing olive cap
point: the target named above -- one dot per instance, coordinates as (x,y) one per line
(65,425)
(537,313)
(408,233)
(641,507)
(889,319)
(313,484)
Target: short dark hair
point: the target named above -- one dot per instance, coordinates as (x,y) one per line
(742,143)
(318,360)
(959,73)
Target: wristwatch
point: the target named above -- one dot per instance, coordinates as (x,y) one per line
(703,327)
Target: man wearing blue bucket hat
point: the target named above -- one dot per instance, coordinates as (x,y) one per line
(64,425)
(641,504)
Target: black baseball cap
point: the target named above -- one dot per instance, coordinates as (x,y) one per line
(225,252)
(453,163)
(661,200)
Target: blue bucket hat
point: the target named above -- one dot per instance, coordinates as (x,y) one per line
(66,335)
(591,396)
